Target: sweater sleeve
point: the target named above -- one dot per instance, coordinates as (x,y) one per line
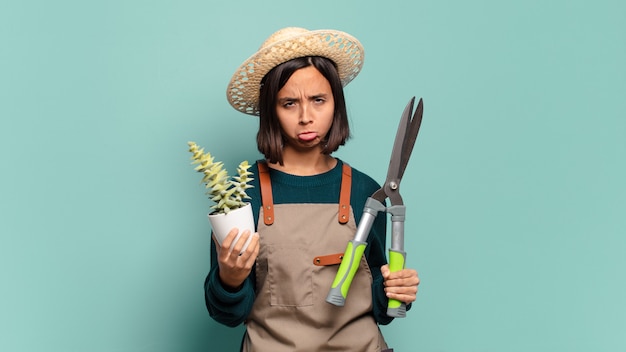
(226,307)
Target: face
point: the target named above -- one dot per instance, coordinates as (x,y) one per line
(305,108)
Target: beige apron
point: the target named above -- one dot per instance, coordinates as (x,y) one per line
(294,271)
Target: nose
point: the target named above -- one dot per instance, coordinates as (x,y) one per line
(305,116)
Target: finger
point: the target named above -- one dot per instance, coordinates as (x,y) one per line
(401,289)
(238,246)
(406,298)
(402,282)
(218,248)
(405,294)
(252,252)
(403,274)
(402,278)
(225,252)
(230,237)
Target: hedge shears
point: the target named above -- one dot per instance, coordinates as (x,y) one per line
(403,146)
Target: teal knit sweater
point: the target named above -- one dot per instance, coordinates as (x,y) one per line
(232,308)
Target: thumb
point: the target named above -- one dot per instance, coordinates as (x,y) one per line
(384,270)
(217,245)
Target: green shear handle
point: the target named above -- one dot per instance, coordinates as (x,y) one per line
(354,251)
(397,255)
(352,256)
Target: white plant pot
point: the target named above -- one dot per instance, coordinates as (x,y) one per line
(240,218)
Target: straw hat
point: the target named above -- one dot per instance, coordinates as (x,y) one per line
(290,43)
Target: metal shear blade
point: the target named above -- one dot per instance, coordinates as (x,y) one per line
(406,136)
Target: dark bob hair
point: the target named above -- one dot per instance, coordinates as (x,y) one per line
(269,138)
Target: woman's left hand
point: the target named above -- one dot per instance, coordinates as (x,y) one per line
(400,285)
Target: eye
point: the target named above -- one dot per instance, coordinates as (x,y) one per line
(319,100)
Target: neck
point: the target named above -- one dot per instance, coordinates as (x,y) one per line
(304,164)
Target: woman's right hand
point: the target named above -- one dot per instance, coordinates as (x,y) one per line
(235,265)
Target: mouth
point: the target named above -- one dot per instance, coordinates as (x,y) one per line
(307,136)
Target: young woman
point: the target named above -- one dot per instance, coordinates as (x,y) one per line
(307,204)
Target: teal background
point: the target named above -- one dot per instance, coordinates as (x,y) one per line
(515,191)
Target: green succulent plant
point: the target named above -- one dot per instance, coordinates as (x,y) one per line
(228,194)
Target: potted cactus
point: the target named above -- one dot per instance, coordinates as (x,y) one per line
(229,194)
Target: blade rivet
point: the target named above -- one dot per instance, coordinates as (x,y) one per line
(393,185)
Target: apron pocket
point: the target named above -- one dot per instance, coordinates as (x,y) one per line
(290,275)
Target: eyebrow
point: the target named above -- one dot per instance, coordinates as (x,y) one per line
(311,97)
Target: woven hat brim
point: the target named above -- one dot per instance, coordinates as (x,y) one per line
(340,47)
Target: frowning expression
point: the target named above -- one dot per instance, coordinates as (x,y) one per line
(305,108)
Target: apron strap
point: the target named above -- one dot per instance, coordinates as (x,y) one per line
(344,194)
(268,201)
(266,193)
